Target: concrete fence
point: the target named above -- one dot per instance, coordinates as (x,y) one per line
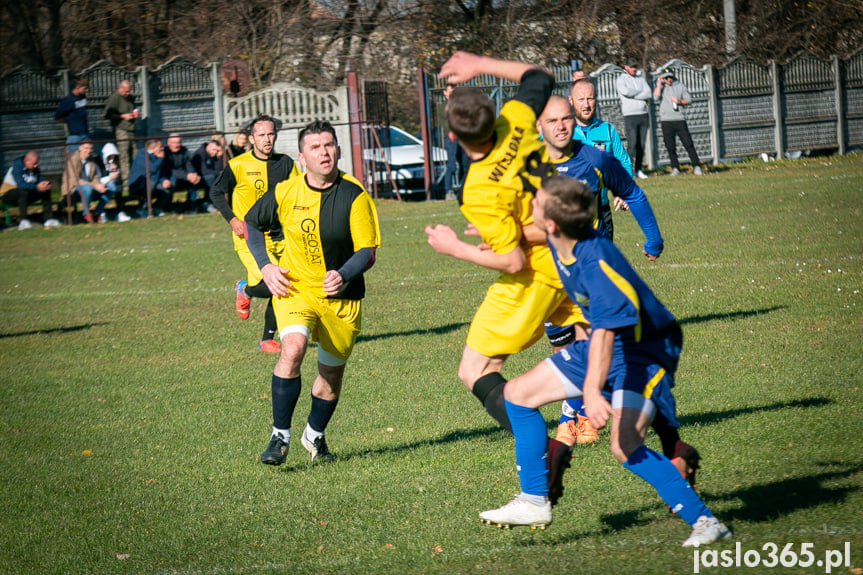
(741,109)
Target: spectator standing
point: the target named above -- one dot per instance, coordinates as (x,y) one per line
(73,112)
(83,176)
(23,185)
(598,133)
(673,96)
(635,94)
(148,165)
(178,173)
(121,112)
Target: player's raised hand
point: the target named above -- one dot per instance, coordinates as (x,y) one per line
(276,279)
(461,67)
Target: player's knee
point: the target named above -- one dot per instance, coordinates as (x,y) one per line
(623,446)
(467,375)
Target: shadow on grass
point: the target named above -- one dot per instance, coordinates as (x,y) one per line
(768,501)
(711,417)
(70,329)
(451,437)
(422,331)
(762,503)
(726,316)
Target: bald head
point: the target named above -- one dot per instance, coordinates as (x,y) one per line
(556,124)
(31,159)
(124,88)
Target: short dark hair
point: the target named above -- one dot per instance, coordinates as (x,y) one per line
(277,124)
(470,115)
(570,204)
(81,82)
(316,127)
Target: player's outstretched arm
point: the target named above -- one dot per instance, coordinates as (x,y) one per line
(445,241)
(464,66)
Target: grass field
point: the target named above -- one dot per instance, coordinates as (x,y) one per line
(134,403)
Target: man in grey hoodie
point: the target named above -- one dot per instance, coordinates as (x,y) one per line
(634,96)
(673,96)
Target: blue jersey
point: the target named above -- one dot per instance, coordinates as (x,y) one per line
(612,296)
(601,170)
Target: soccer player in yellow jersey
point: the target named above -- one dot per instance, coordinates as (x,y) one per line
(245,179)
(331,233)
(508,161)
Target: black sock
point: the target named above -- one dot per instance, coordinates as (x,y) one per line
(286,393)
(260,290)
(321,413)
(667,435)
(270,326)
(489,390)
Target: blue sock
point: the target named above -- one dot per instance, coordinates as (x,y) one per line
(663,476)
(286,393)
(531,443)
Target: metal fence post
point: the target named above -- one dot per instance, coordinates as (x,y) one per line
(713,113)
(841,136)
(218,97)
(778,129)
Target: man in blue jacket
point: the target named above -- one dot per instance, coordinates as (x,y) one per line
(597,133)
(73,111)
(23,185)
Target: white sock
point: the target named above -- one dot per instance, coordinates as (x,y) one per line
(538,500)
(285,433)
(311,434)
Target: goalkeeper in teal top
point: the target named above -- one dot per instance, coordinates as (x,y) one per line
(631,354)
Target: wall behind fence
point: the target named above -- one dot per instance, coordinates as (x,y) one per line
(178,96)
(741,109)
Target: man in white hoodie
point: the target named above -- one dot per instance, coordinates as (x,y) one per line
(635,93)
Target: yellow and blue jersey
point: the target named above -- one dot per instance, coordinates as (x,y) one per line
(600,170)
(612,296)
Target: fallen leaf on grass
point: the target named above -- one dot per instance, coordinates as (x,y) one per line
(123,556)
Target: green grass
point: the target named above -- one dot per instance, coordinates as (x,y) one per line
(134,403)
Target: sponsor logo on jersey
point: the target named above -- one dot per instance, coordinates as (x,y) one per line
(509,157)
(311,241)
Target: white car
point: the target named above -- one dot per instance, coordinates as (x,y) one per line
(404,155)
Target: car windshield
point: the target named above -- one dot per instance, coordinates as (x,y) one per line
(396,138)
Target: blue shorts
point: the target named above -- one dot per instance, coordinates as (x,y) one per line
(642,385)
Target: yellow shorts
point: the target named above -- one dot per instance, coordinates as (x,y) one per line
(510,318)
(253,272)
(333,323)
